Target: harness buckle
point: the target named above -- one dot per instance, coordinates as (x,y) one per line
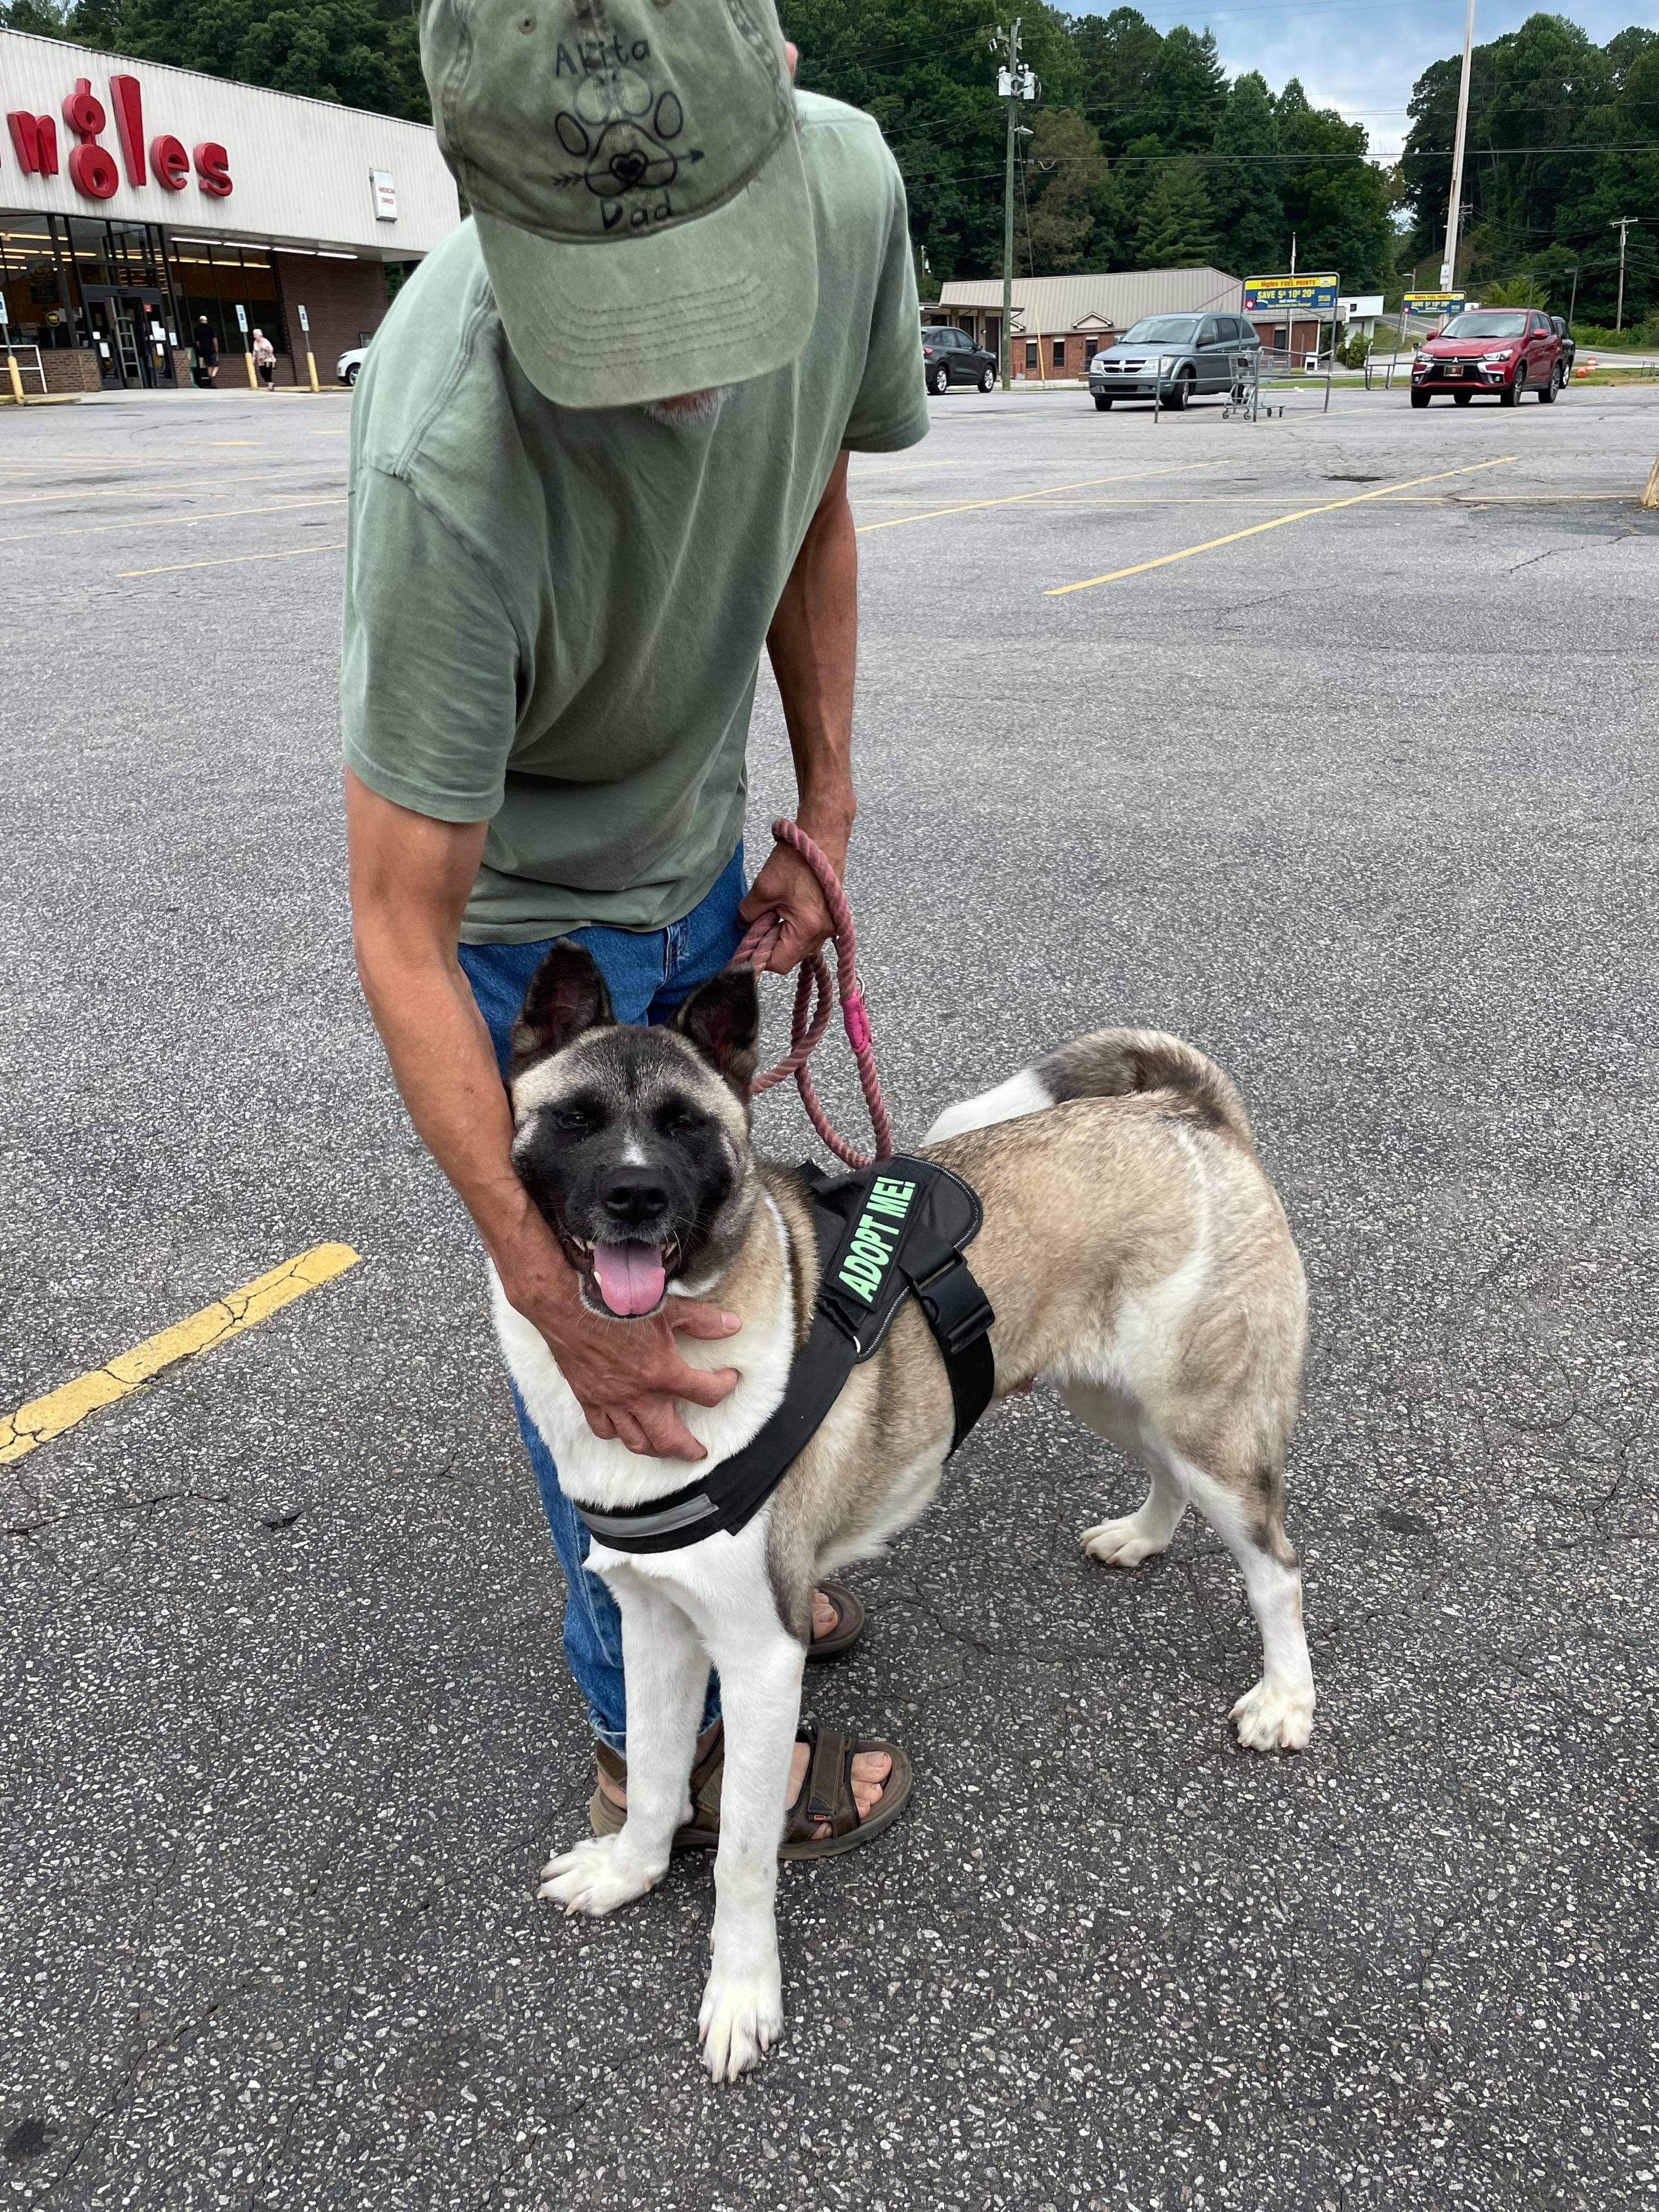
(958,1310)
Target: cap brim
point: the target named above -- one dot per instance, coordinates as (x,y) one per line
(716,299)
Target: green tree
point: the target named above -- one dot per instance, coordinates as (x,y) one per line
(1542,198)
(1334,200)
(1189,91)
(925,70)
(1070,196)
(1119,57)
(1177,228)
(364,53)
(1246,186)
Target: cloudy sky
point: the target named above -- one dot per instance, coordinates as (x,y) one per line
(1363,55)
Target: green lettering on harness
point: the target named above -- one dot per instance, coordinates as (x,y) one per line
(873,1240)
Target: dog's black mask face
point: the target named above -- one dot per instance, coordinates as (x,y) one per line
(633,1142)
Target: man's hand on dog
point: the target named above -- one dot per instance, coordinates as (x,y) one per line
(626,1378)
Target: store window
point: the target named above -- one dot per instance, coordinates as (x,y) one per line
(211,280)
(1060,353)
(37,313)
(1030,356)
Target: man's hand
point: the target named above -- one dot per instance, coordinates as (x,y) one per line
(626,1375)
(786,885)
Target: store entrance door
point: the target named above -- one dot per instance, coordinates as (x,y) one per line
(129,331)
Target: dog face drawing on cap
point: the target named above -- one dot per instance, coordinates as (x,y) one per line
(633,1142)
(605,129)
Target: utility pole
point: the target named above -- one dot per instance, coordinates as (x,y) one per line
(1573,303)
(1621,223)
(1015,83)
(1454,213)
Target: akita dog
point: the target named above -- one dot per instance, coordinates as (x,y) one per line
(1137,1257)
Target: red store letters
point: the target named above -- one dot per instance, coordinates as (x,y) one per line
(92,167)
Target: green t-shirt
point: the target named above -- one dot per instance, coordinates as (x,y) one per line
(554,618)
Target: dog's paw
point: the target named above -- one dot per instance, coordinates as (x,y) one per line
(1120,1543)
(740,2020)
(594,1876)
(1274,1717)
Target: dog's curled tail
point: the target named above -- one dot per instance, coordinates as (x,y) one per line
(1108,1064)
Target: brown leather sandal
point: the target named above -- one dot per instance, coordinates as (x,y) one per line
(849,1624)
(826,1797)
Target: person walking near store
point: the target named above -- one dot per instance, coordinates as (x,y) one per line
(264,360)
(207,353)
(599,460)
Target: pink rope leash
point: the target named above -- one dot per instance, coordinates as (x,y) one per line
(813,1003)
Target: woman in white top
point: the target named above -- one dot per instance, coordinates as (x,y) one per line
(264,360)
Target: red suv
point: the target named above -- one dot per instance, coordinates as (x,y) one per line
(1506,350)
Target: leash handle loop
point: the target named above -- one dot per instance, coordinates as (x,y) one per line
(814,1001)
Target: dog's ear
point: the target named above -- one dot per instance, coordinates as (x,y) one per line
(721,1018)
(567,995)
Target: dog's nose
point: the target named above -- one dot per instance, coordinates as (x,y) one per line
(634,1198)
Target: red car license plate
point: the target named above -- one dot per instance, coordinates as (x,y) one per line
(1453,370)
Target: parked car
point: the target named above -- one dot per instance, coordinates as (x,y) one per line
(346,368)
(1503,351)
(949,356)
(1179,356)
(1568,345)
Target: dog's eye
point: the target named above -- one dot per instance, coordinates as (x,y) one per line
(682,1122)
(570,1120)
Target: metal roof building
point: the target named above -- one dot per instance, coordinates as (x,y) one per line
(1093,304)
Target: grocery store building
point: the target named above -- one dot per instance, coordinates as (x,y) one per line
(135,199)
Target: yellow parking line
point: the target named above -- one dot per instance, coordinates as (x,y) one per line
(43,1418)
(230,560)
(155,521)
(1278,521)
(1044,491)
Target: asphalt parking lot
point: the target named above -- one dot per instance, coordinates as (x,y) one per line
(1345,770)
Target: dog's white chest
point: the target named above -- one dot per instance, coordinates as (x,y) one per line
(600,1471)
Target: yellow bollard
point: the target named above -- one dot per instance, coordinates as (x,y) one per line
(252,381)
(16,381)
(311,364)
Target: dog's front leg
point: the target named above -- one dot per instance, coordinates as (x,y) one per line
(666,1673)
(742,2015)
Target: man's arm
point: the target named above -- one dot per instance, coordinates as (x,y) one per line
(410,880)
(813,645)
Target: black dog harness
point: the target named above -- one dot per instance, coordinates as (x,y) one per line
(890,1232)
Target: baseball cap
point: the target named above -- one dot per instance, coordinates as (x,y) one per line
(635,173)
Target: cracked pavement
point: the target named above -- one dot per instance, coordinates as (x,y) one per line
(1365,806)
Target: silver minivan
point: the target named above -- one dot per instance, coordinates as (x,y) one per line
(1183,356)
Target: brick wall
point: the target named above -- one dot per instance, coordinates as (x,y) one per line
(1060,355)
(68,368)
(343,299)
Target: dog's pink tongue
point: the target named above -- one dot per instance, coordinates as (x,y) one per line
(631,1277)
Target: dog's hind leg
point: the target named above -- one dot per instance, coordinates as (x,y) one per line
(1140,1535)
(760,1671)
(1276,1714)
(666,1672)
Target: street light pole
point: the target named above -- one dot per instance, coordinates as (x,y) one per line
(1621,223)
(1012,85)
(1449,266)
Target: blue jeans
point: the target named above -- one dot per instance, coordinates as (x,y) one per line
(648,973)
